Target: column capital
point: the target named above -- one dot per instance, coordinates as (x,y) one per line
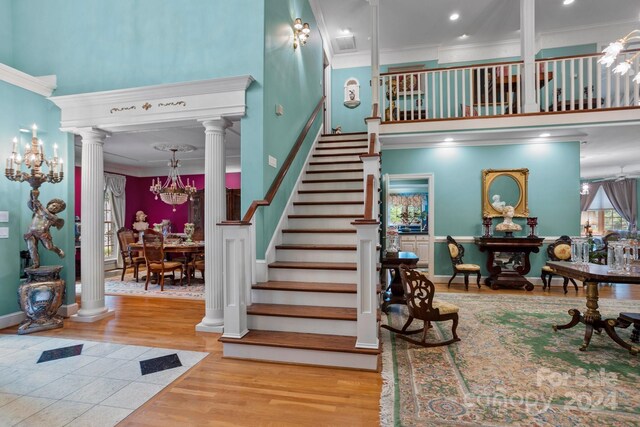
(218,124)
(92,134)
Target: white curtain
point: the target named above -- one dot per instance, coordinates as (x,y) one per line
(115,185)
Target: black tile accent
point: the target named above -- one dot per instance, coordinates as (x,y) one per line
(60,353)
(158,364)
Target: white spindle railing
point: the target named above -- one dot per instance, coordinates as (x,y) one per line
(574,83)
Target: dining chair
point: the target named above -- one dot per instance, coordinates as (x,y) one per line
(129,257)
(419,293)
(154,256)
(560,250)
(456,252)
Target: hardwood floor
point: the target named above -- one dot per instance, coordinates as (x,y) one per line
(231,392)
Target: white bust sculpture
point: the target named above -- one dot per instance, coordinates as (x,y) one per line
(508,224)
(140,224)
(497,203)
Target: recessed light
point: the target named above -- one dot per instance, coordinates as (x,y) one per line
(545,135)
(464,36)
(346,31)
(454,16)
(567,2)
(449,139)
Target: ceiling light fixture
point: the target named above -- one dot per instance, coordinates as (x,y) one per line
(464,36)
(301,33)
(449,139)
(584,189)
(173,192)
(610,53)
(454,16)
(545,135)
(346,31)
(567,2)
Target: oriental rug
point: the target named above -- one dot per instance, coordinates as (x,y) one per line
(510,368)
(129,287)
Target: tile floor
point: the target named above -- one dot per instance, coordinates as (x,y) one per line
(97,386)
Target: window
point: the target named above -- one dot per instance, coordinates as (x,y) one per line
(109,247)
(613,220)
(603,220)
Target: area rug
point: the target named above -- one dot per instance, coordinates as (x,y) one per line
(133,288)
(54,382)
(510,368)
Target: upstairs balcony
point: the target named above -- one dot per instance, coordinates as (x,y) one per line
(567,90)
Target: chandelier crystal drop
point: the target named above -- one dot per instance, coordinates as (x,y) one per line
(173,192)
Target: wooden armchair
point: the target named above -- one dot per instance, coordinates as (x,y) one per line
(456,252)
(600,256)
(560,250)
(129,258)
(419,292)
(154,256)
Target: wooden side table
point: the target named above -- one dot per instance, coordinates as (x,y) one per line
(394,294)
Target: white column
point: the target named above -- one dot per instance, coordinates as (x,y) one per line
(236,258)
(214,212)
(375,53)
(92,306)
(367,280)
(528,53)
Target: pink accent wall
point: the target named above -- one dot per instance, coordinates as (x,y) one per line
(138,197)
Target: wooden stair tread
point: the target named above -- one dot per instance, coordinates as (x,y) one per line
(337,202)
(346,147)
(337,343)
(358,153)
(329,191)
(338,171)
(335,141)
(346,266)
(344,133)
(315,216)
(342,288)
(341,162)
(303,311)
(320,230)
(323,181)
(317,247)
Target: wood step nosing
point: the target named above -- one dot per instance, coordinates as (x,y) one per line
(349,190)
(316,247)
(336,171)
(327,181)
(336,202)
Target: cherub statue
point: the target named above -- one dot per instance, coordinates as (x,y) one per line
(141,224)
(508,225)
(43,218)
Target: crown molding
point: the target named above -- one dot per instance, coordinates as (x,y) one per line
(322,28)
(41,85)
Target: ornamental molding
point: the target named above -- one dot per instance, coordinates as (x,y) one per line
(41,85)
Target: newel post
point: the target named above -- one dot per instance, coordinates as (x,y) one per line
(367,281)
(236,276)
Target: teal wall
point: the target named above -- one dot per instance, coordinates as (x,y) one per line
(20,108)
(293,79)
(554,174)
(350,119)
(6,27)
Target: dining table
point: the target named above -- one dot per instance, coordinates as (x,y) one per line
(188,249)
(591,275)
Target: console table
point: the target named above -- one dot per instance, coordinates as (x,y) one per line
(504,277)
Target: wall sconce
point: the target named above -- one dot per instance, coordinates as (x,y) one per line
(301,33)
(584,189)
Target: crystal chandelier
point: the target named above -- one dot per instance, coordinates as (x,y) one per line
(173,192)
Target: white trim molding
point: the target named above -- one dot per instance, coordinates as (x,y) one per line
(11,319)
(470,239)
(41,85)
(126,109)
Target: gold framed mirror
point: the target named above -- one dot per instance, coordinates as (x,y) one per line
(502,187)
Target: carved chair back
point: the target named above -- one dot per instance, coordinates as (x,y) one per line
(418,293)
(125,238)
(152,242)
(560,250)
(456,251)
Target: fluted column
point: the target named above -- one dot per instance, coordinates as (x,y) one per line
(214,212)
(92,306)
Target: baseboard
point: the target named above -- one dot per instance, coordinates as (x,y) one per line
(94,318)
(11,319)
(472,279)
(68,310)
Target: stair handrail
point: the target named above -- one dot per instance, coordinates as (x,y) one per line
(275,185)
(368,199)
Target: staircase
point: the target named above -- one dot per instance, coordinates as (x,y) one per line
(306,312)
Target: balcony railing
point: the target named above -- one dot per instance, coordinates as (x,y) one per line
(573,83)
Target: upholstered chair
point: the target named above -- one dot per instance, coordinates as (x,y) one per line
(154,256)
(456,252)
(560,250)
(419,293)
(129,258)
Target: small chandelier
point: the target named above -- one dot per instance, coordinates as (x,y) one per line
(610,53)
(173,192)
(584,189)
(301,33)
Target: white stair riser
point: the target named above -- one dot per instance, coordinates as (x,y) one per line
(355,185)
(335,166)
(323,299)
(297,255)
(334,197)
(336,149)
(300,356)
(302,325)
(353,157)
(319,238)
(320,222)
(299,275)
(356,209)
(335,175)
